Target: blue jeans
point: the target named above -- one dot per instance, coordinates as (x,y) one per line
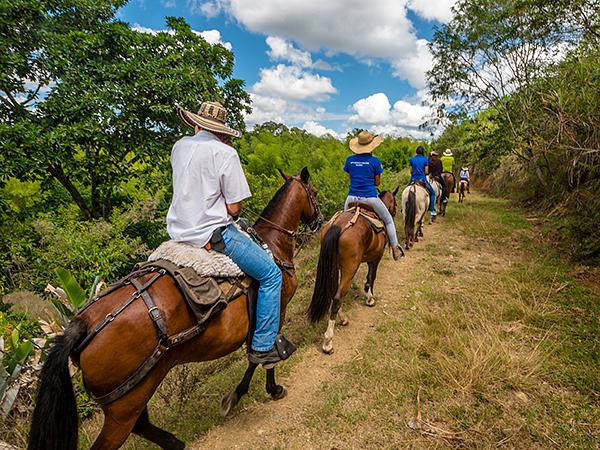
(431,194)
(379,207)
(256,263)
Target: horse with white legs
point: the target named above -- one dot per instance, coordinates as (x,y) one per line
(462,187)
(347,240)
(415,203)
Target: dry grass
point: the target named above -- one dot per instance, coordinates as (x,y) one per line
(481,341)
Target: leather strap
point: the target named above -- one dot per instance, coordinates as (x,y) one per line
(140,289)
(155,314)
(135,377)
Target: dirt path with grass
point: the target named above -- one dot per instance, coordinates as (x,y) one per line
(278,424)
(482,337)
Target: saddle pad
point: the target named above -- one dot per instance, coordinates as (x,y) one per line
(205,263)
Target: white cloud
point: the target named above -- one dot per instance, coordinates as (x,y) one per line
(373,30)
(440,10)
(214,37)
(211,36)
(280,49)
(374,109)
(319,130)
(168,3)
(292,83)
(403,118)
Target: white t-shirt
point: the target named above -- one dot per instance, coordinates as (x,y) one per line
(207,175)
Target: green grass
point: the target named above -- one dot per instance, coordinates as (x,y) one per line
(500,346)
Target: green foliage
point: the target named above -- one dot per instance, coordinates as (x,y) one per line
(107,109)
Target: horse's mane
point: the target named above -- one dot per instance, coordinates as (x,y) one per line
(270,208)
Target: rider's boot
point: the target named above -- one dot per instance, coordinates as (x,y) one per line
(279,352)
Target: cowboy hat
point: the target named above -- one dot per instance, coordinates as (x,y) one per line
(212,116)
(433,153)
(365,142)
(447,152)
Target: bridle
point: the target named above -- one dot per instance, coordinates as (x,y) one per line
(314,225)
(317,216)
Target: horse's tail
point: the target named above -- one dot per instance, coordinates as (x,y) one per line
(410,212)
(328,274)
(54,423)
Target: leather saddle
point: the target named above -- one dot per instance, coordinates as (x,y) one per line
(362,210)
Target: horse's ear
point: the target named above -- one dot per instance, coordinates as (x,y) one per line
(283,174)
(396,190)
(304,175)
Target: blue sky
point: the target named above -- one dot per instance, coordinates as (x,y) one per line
(322,65)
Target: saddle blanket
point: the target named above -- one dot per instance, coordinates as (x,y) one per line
(205,263)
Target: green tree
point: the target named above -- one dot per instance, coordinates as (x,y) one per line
(493,49)
(89,102)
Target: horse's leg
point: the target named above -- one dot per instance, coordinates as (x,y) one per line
(343,317)
(231,399)
(160,437)
(369,284)
(276,391)
(114,432)
(373,274)
(345,282)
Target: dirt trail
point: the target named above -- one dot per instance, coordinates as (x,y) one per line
(262,425)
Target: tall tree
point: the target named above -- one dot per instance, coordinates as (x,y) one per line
(494,48)
(89,102)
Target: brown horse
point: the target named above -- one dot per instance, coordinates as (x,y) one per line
(449,179)
(127,341)
(343,249)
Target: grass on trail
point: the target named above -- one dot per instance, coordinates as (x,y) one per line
(498,349)
(487,342)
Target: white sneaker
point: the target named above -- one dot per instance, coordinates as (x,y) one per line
(432,213)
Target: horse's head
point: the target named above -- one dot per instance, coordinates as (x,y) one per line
(310,214)
(389,200)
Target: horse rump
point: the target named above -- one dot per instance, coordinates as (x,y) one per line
(54,425)
(328,275)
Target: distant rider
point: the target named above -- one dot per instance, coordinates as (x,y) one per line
(209,186)
(365,171)
(448,164)
(419,168)
(435,170)
(464,175)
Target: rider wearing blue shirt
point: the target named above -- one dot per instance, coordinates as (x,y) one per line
(419,167)
(365,171)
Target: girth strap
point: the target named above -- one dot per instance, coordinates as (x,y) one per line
(155,314)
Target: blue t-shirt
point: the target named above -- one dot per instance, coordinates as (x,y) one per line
(418,163)
(362,169)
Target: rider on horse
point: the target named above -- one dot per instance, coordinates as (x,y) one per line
(448,164)
(435,170)
(464,175)
(365,171)
(419,168)
(209,186)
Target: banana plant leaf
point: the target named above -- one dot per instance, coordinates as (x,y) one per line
(76,295)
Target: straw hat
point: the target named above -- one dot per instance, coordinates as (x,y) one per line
(365,142)
(434,153)
(212,117)
(447,152)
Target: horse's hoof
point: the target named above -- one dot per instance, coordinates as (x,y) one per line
(344,322)
(228,402)
(328,349)
(280,392)
(370,301)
